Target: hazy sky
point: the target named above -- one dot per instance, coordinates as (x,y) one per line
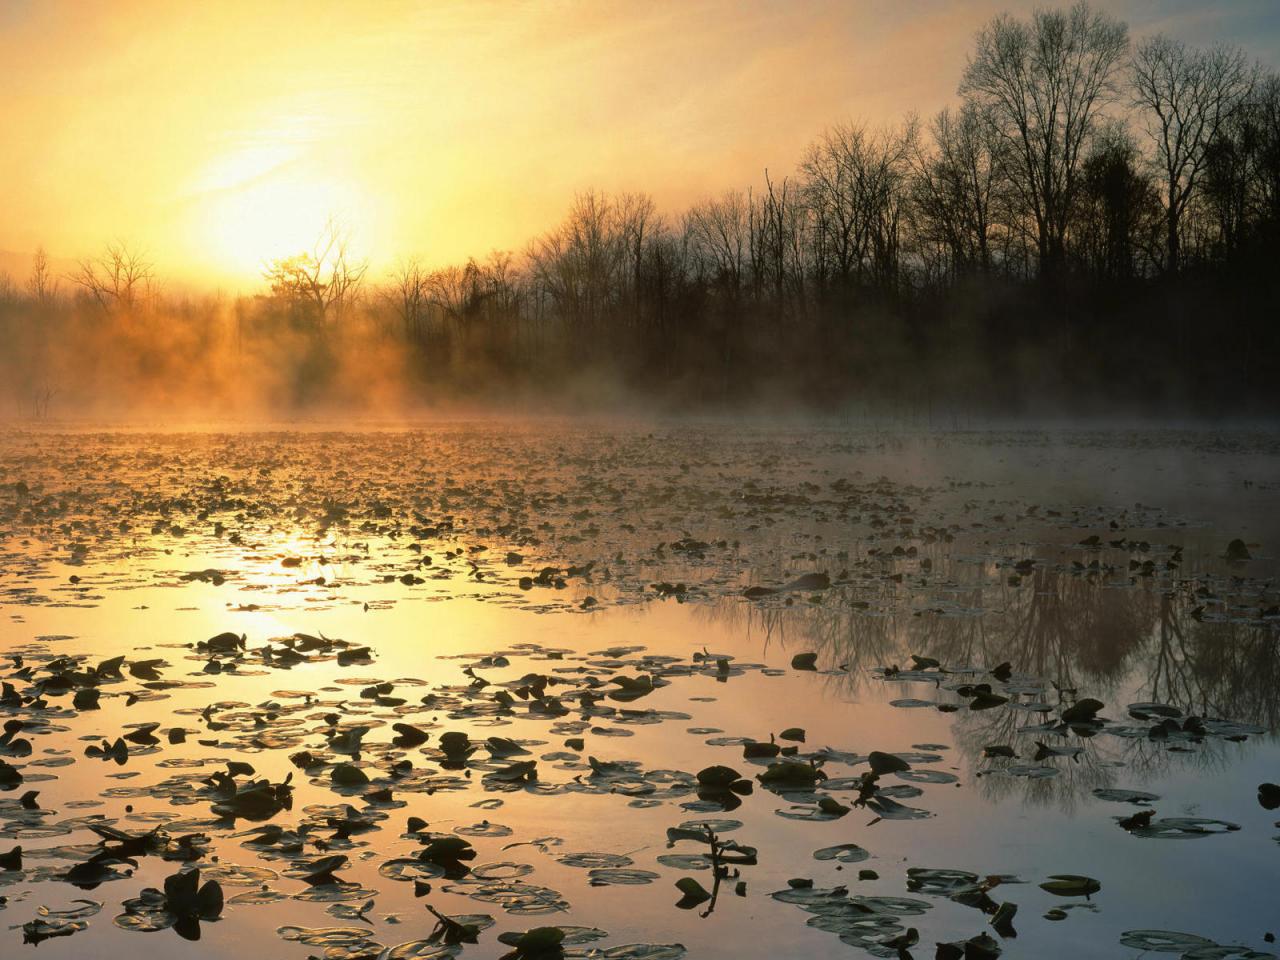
(218,134)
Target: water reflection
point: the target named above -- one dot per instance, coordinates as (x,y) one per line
(1226,668)
(1084,633)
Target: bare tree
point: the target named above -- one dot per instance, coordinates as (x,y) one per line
(118,279)
(505,285)
(407,293)
(321,285)
(1239,187)
(853,179)
(1043,85)
(42,285)
(718,232)
(778,247)
(1116,227)
(41,399)
(579,263)
(955,189)
(1264,114)
(1186,97)
(458,292)
(636,214)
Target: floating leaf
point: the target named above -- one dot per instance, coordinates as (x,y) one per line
(693,893)
(1070,885)
(843,852)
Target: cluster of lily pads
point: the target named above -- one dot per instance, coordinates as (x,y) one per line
(384,742)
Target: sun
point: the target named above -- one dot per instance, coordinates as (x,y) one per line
(249,226)
(266,200)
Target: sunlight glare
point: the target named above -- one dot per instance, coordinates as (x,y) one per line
(269,218)
(270,194)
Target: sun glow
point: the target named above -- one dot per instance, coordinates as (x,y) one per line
(218,136)
(248,226)
(270,194)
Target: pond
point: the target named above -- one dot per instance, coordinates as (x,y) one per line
(643,691)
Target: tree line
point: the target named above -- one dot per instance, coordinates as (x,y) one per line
(1093,226)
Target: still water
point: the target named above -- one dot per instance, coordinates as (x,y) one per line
(888,688)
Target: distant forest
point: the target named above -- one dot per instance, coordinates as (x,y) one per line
(1093,227)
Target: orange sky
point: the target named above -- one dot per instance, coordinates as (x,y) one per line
(218,135)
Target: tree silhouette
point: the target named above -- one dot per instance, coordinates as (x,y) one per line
(319,286)
(116,280)
(1043,86)
(1186,98)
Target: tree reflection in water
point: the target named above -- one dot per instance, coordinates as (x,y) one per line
(1119,639)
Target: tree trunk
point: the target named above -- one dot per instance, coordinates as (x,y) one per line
(1174,244)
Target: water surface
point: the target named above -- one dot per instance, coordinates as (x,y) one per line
(583,594)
